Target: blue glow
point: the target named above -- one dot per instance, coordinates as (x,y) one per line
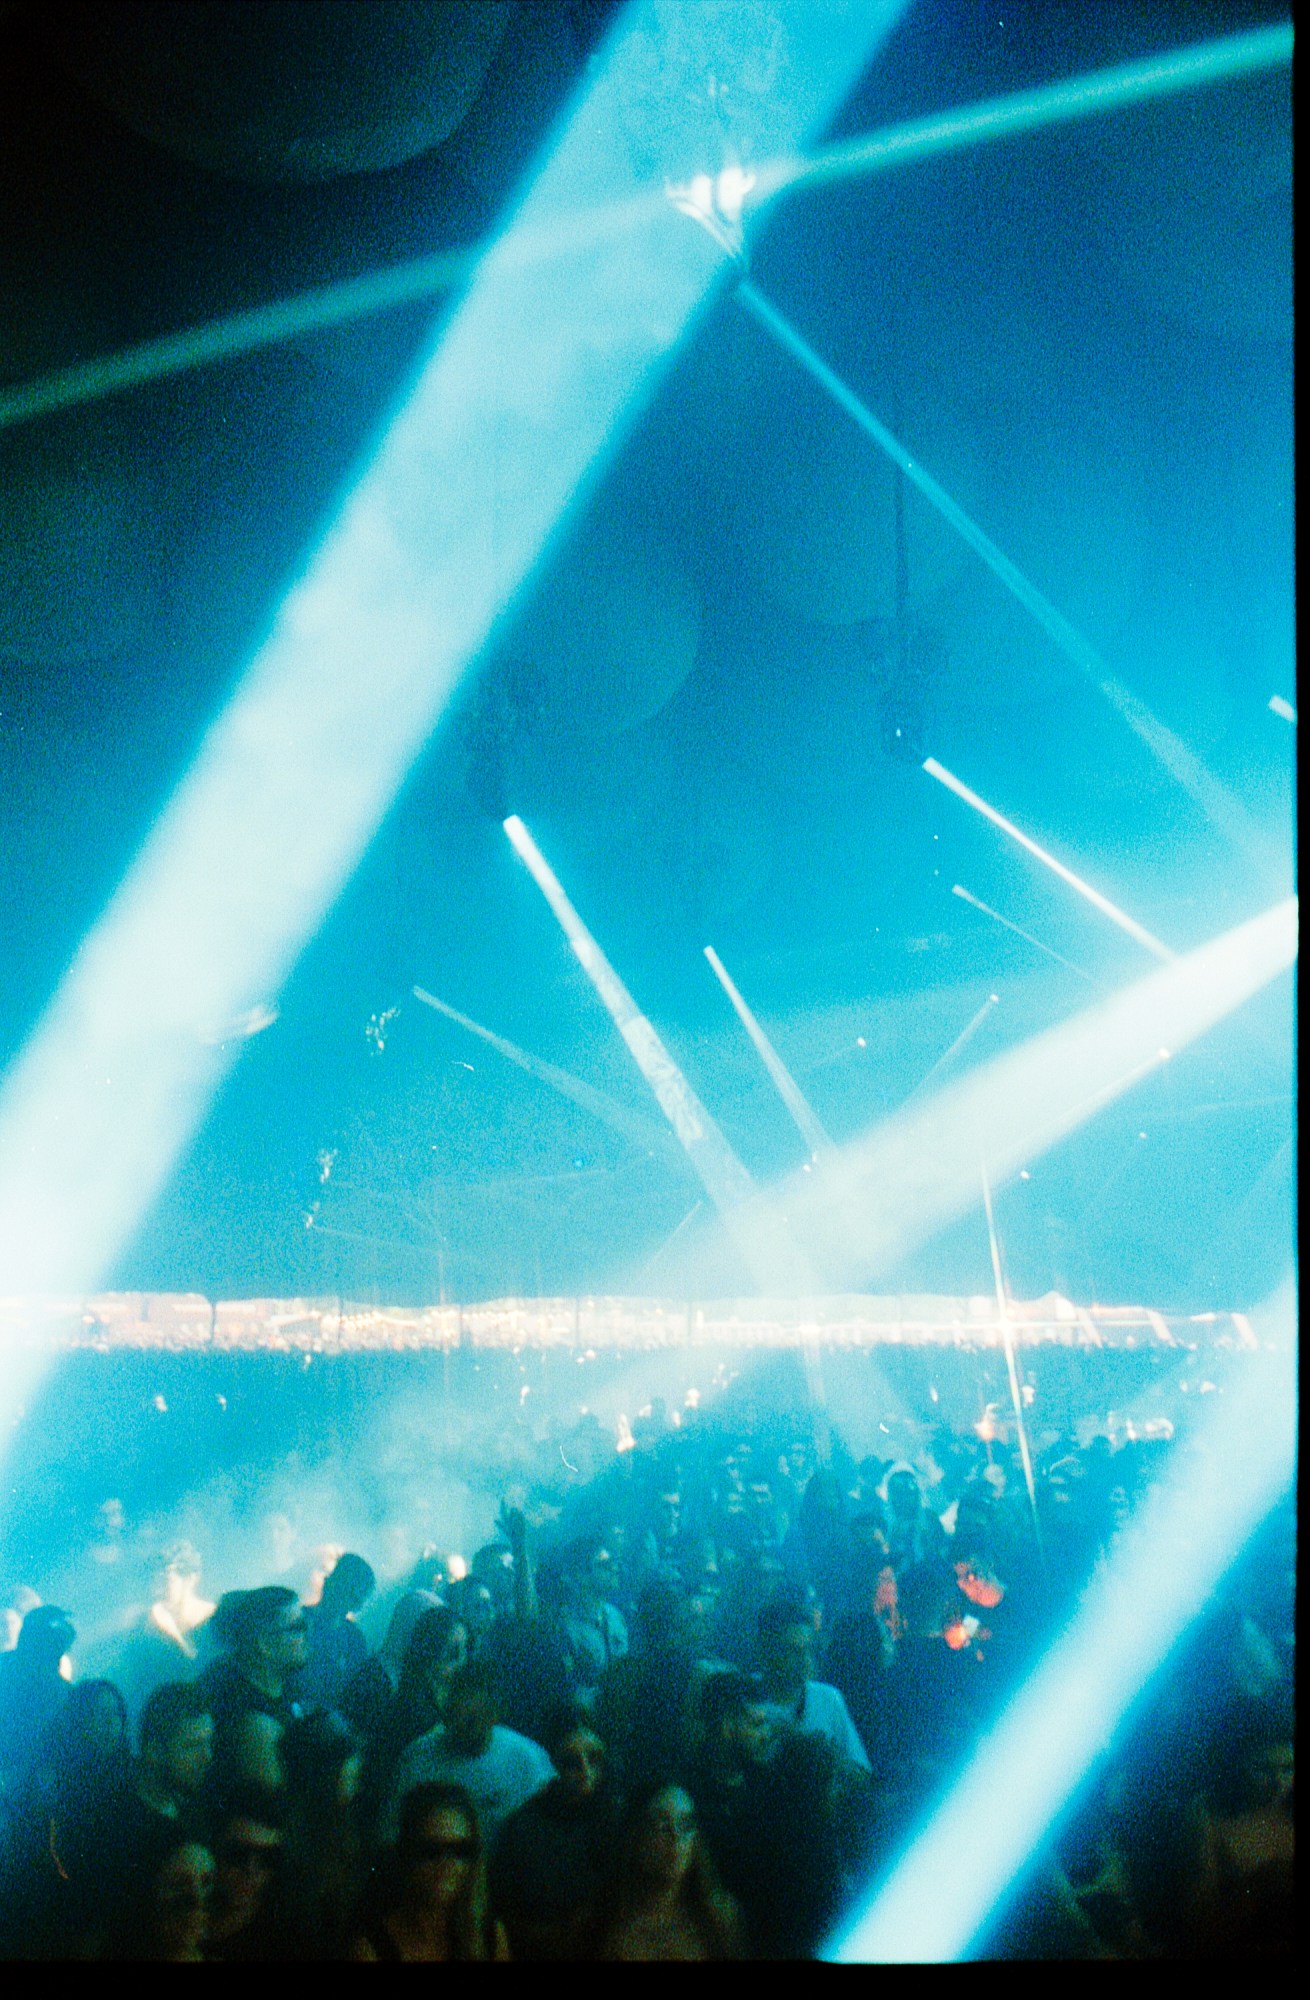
(1190,1530)
(526,387)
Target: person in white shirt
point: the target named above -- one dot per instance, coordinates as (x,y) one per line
(790,1696)
(499,1769)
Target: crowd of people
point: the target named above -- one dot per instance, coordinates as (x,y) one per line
(690,1711)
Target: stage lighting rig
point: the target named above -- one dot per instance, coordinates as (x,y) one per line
(908,663)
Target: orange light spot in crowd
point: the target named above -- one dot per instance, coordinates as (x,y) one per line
(984,1590)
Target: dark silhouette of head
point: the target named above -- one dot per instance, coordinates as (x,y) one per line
(348,1586)
(45,1635)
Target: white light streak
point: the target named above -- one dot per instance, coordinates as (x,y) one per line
(1027,936)
(630,1124)
(1174,756)
(722,1174)
(965,1036)
(1283,708)
(1007,1341)
(803,1117)
(1084,889)
(768,1253)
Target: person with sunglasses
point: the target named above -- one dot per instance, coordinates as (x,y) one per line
(432,1896)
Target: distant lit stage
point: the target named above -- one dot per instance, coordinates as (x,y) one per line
(362,1416)
(187,1323)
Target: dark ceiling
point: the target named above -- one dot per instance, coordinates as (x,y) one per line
(1085,333)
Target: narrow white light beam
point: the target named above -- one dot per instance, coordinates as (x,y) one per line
(1027,936)
(1084,889)
(629,1124)
(1282,707)
(1170,751)
(769,1254)
(721,1173)
(1072,98)
(1173,1556)
(861,1210)
(1007,1342)
(802,1115)
(530,381)
(947,1056)
(427,276)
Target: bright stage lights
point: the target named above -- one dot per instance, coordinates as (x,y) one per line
(816,1139)
(1186,1535)
(1084,889)
(540,363)
(866,1206)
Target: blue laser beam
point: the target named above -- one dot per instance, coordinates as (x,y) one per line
(1072,98)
